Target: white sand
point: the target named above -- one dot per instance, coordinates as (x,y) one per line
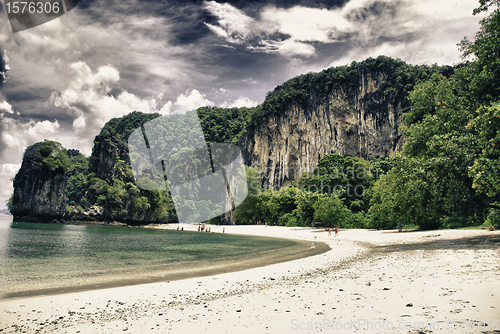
(385,278)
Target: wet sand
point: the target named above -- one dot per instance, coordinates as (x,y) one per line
(370,281)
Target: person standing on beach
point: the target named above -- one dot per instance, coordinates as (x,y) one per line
(336,231)
(400,227)
(329,231)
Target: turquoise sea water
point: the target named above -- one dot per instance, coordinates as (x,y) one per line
(38,256)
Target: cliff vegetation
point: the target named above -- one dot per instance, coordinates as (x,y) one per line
(366,145)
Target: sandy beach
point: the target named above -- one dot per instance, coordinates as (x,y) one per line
(370,281)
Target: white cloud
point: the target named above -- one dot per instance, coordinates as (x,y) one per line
(422,32)
(88,97)
(300,25)
(234,25)
(6,107)
(240,102)
(443,10)
(307,24)
(16,136)
(137,46)
(167,107)
(287,47)
(192,99)
(7,172)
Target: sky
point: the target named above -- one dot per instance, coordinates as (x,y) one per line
(64,79)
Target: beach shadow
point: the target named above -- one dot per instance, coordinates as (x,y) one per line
(403,231)
(475,242)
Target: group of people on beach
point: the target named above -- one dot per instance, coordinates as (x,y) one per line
(203,228)
(336,229)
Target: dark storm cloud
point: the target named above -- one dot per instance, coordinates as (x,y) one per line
(187,19)
(32,102)
(248,4)
(188,23)
(3,66)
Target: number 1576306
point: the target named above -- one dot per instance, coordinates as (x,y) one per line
(32,7)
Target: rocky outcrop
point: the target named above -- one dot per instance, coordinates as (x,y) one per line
(355,120)
(40,186)
(92,214)
(108,153)
(39,192)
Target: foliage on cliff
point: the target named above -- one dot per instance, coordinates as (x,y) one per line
(401,79)
(110,181)
(122,127)
(55,157)
(224,125)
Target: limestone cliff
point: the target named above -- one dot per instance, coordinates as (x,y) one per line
(110,162)
(39,187)
(360,117)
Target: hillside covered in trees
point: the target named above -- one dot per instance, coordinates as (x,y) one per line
(447,174)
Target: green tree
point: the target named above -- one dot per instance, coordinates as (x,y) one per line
(485,170)
(430,184)
(55,158)
(481,77)
(76,188)
(331,211)
(305,201)
(9,202)
(246,212)
(347,177)
(382,212)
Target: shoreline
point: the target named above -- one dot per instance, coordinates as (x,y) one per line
(432,277)
(300,249)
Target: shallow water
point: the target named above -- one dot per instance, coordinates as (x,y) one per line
(40,256)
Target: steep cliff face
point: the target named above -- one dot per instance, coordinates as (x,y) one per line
(110,162)
(360,119)
(39,187)
(106,152)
